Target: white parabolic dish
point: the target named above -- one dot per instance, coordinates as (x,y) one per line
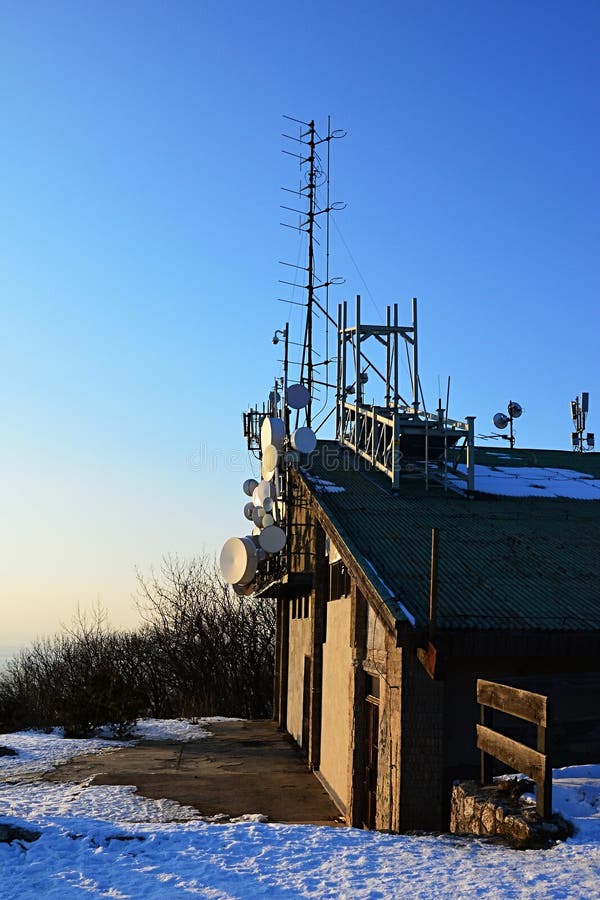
(243,590)
(297,396)
(272,431)
(238,560)
(262,491)
(270,457)
(272,539)
(304,440)
(249,485)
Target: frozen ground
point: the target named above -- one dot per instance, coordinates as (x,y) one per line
(102,841)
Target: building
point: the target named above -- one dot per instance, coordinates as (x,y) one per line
(401,573)
(393,600)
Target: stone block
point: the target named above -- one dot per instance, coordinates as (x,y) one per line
(488,818)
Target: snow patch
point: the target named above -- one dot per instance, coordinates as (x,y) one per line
(322,486)
(105,841)
(532,481)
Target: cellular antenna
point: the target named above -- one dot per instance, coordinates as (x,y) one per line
(579,410)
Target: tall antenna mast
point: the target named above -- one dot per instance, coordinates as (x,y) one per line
(310,287)
(314,173)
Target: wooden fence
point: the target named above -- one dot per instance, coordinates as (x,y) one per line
(534,763)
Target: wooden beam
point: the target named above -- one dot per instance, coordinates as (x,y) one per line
(355,772)
(428,657)
(515,702)
(487,761)
(318,612)
(517,756)
(544,788)
(284,661)
(433,582)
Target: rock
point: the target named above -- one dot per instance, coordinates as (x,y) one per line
(468,807)
(9,833)
(488,818)
(489,813)
(8,751)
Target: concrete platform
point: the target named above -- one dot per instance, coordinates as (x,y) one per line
(243,767)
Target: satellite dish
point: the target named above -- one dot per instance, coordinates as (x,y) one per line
(270,457)
(269,462)
(304,440)
(255,533)
(272,431)
(243,590)
(268,504)
(515,409)
(501,420)
(262,491)
(272,539)
(268,520)
(249,486)
(249,510)
(257,516)
(297,396)
(238,560)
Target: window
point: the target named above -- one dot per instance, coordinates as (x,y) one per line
(300,607)
(339,580)
(372,687)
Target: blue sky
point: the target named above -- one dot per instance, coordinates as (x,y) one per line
(141,169)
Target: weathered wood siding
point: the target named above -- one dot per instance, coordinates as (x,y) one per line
(336,711)
(299,648)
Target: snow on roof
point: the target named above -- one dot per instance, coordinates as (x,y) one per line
(322,485)
(532,481)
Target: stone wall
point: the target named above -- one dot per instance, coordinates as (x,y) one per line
(489,812)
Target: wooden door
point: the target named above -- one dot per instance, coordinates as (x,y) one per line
(371,758)
(306,703)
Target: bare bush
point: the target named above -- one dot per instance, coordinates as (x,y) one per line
(78,680)
(216,647)
(201,650)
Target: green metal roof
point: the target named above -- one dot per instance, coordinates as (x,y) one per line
(505,562)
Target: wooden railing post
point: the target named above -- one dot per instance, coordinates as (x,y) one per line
(487,765)
(534,763)
(544,789)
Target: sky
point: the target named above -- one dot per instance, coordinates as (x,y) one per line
(140,239)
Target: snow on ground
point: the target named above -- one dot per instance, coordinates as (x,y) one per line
(103,841)
(39,752)
(172,729)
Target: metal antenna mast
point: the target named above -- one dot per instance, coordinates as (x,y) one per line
(314,172)
(310,287)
